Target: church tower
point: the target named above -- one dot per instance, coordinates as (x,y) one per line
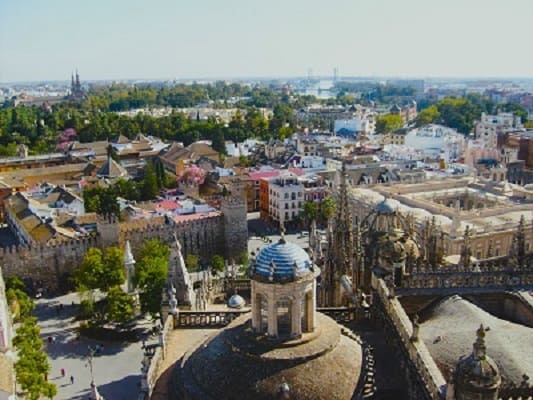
(340,253)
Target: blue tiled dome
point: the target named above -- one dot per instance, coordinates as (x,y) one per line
(284,255)
(236,301)
(387,207)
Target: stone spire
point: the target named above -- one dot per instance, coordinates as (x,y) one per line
(340,257)
(480,349)
(466,251)
(129,263)
(178,276)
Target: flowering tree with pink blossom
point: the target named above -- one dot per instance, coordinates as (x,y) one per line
(65,139)
(192,175)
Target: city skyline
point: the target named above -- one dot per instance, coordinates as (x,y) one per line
(206,40)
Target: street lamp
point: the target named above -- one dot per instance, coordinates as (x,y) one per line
(94,390)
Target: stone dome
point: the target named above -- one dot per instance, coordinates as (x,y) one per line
(234,365)
(281,261)
(477,372)
(236,301)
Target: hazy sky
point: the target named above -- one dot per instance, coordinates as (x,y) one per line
(113,39)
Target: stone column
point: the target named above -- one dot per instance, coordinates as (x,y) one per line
(256,309)
(311,308)
(296,316)
(272,316)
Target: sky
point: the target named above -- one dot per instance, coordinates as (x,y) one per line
(187,39)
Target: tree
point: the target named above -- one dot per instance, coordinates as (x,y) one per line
(388,123)
(149,187)
(19,302)
(49,390)
(120,306)
(101,200)
(244,261)
(219,142)
(192,262)
(151,272)
(114,274)
(310,212)
(217,262)
(327,208)
(428,115)
(32,365)
(100,271)
(243,161)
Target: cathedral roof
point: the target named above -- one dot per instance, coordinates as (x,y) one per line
(282,261)
(447,331)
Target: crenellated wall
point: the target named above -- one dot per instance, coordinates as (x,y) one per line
(49,266)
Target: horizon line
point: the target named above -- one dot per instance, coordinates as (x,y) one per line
(277,78)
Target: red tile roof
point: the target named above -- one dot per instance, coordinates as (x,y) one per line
(195,217)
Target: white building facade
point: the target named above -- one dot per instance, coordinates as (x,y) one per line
(286,198)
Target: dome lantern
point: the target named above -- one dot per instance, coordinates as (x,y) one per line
(477,376)
(283,291)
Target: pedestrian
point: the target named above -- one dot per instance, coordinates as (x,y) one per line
(60,306)
(50,339)
(63,372)
(72,379)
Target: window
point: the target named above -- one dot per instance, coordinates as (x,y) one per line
(286,206)
(286,195)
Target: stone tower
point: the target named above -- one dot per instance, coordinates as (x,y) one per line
(108,230)
(233,208)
